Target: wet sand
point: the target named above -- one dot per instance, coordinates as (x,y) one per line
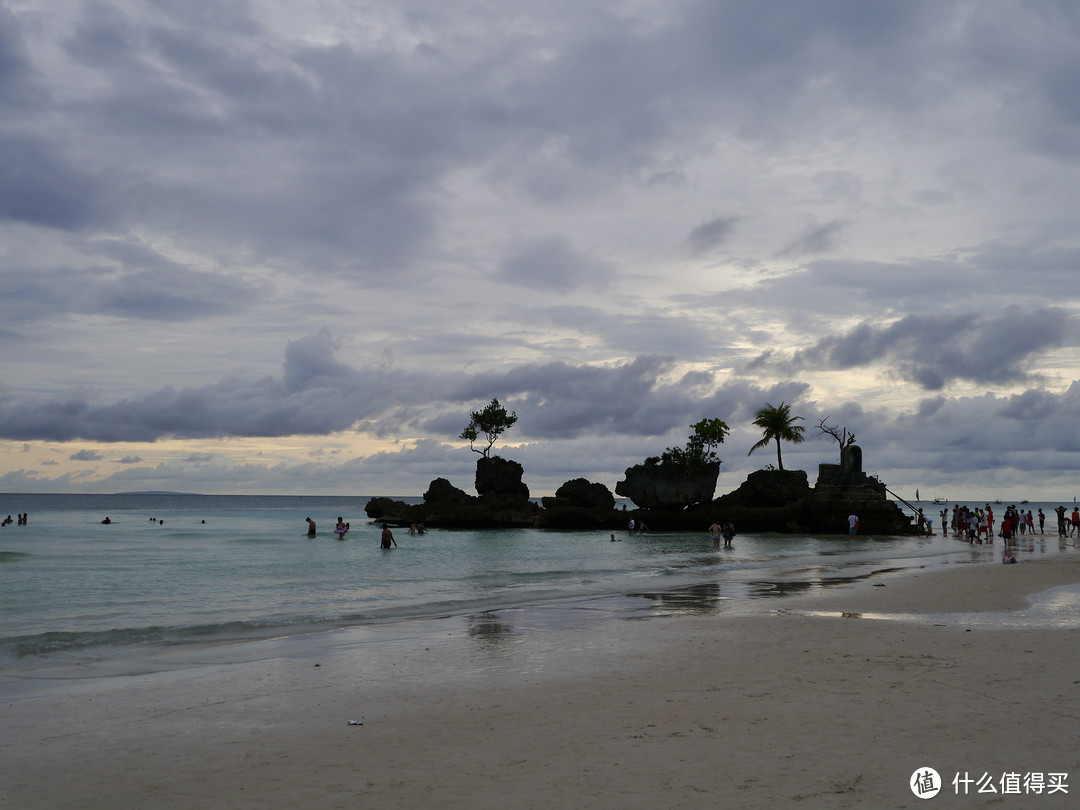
(796,705)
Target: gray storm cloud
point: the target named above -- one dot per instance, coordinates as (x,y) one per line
(619,218)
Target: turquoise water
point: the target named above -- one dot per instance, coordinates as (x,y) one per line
(159,574)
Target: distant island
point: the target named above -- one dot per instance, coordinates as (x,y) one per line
(156,492)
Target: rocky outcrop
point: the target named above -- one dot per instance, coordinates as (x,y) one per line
(653,485)
(782,501)
(768,501)
(768,488)
(581,504)
(499,479)
(442,493)
(580,494)
(503,501)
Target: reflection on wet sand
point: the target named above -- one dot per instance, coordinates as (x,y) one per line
(710,597)
(1057,608)
(489,628)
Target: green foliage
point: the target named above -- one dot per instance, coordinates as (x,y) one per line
(777,424)
(700,450)
(492,421)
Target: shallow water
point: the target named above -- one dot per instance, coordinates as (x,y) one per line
(74,589)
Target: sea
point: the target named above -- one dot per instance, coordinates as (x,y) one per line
(178,569)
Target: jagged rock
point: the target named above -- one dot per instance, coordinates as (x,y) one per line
(657,486)
(397,512)
(441,491)
(769,500)
(768,488)
(584,494)
(579,504)
(499,479)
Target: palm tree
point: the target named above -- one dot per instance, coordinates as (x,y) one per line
(777,423)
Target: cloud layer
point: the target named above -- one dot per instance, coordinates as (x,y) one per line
(617,218)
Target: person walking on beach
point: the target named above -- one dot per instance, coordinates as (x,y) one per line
(310,527)
(853,524)
(387,537)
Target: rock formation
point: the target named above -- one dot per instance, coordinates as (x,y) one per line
(503,501)
(768,501)
(580,494)
(654,485)
(499,479)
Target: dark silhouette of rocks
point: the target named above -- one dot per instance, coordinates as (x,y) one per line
(654,485)
(581,494)
(503,501)
(768,501)
(442,492)
(498,480)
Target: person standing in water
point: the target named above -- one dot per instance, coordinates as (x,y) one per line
(729,533)
(310,527)
(714,533)
(387,537)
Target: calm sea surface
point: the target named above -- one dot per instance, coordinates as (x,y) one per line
(174,569)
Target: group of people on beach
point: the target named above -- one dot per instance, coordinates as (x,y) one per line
(21,521)
(341,529)
(977,525)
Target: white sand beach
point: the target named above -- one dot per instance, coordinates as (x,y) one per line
(794,706)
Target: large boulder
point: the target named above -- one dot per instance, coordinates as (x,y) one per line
(499,479)
(442,492)
(581,494)
(768,488)
(664,486)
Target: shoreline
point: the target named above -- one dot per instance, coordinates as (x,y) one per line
(748,708)
(734,592)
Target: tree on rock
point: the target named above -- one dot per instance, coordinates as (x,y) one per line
(840,434)
(777,424)
(700,450)
(492,421)
(681,476)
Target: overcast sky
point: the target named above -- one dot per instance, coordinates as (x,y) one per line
(287,246)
